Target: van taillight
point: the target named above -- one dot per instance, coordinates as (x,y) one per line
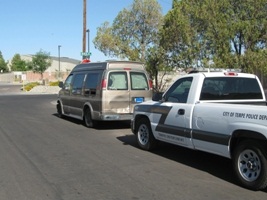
(151,84)
(104,84)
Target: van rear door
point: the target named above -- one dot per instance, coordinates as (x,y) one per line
(124,90)
(140,90)
(116,96)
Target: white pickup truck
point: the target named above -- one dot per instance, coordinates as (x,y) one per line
(222,113)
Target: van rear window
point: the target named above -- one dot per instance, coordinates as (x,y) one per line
(138,81)
(117,81)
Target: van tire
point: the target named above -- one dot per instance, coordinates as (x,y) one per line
(88,118)
(59,110)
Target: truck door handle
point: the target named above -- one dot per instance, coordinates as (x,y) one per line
(181,112)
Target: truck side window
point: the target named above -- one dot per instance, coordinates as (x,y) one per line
(77,83)
(179,91)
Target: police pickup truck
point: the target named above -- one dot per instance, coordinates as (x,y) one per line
(222,113)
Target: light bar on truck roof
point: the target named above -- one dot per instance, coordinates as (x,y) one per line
(197,70)
(230,73)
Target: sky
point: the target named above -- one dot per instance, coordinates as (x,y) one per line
(28,26)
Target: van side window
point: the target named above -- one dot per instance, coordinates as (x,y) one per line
(138,81)
(91,83)
(117,81)
(77,83)
(68,82)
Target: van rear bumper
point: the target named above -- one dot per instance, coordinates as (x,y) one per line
(116,117)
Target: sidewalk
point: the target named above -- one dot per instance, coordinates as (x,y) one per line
(44,89)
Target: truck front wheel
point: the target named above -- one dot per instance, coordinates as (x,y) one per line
(144,135)
(250,165)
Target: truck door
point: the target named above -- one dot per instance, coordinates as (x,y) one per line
(174,123)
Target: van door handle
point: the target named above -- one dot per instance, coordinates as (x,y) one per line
(181,112)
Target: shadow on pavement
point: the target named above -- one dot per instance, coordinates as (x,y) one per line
(101,125)
(216,165)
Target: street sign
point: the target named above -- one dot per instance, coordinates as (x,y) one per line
(86,53)
(23,77)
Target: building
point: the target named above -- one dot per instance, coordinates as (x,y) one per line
(59,70)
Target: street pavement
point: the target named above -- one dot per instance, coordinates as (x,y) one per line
(10,88)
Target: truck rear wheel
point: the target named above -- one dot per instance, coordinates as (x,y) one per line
(144,135)
(250,165)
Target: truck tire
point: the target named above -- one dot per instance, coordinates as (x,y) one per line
(88,119)
(250,165)
(144,135)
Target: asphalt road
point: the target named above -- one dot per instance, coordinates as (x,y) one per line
(43,157)
(7,88)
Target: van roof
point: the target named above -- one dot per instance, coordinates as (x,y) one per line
(112,64)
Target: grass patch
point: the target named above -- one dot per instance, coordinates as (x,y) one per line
(54,83)
(29,86)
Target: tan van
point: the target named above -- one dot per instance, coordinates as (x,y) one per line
(103,91)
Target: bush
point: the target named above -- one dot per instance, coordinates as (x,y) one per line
(29,86)
(54,83)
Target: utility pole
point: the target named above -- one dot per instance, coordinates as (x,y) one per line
(59,62)
(88,45)
(84,27)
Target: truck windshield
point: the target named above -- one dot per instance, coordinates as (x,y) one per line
(230,88)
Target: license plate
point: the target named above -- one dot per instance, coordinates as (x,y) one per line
(138,99)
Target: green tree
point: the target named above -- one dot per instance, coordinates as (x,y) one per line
(17,64)
(228,33)
(183,38)
(40,62)
(133,31)
(157,66)
(3,64)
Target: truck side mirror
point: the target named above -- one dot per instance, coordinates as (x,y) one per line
(157,96)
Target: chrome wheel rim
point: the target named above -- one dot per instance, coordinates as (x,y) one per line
(249,165)
(143,134)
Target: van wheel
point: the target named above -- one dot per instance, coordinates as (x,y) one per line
(144,135)
(59,110)
(250,165)
(88,119)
